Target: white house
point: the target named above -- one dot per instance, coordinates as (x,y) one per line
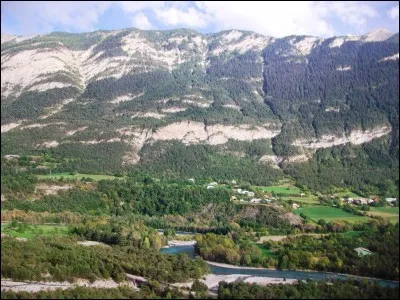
(295,206)
(245,192)
(255,200)
(213,183)
(210,187)
(390,200)
(362,201)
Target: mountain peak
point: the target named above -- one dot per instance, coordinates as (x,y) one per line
(377,35)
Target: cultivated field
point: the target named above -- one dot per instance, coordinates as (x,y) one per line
(29,231)
(285,189)
(329,214)
(389,213)
(305,199)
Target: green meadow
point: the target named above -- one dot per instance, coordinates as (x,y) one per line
(28,231)
(329,214)
(389,213)
(305,199)
(282,190)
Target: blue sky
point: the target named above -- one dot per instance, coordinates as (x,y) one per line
(274,18)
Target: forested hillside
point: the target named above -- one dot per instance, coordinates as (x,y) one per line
(230,105)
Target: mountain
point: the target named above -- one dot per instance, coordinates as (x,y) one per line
(233,104)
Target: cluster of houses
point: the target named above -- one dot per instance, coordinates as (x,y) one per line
(211,185)
(254,200)
(366,201)
(357,201)
(245,192)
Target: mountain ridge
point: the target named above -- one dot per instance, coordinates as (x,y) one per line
(141,93)
(373,31)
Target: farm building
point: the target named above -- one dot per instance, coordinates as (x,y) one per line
(361,201)
(362,251)
(245,192)
(255,200)
(295,206)
(390,200)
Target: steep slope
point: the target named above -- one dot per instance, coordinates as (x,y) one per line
(128,95)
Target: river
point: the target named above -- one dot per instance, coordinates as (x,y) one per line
(299,275)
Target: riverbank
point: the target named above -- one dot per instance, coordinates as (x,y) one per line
(177,243)
(212,280)
(36,286)
(222,265)
(227,269)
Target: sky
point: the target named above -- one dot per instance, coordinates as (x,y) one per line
(273,18)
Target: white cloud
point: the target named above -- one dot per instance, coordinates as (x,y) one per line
(136,6)
(275,18)
(141,21)
(394,12)
(35,16)
(353,13)
(174,16)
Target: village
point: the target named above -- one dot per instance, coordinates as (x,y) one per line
(247,196)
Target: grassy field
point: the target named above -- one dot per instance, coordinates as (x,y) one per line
(348,194)
(29,231)
(390,210)
(67,175)
(285,189)
(305,199)
(329,214)
(389,213)
(352,233)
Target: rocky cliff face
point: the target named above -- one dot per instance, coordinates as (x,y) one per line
(134,87)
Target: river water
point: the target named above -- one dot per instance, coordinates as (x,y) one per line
(299,275)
